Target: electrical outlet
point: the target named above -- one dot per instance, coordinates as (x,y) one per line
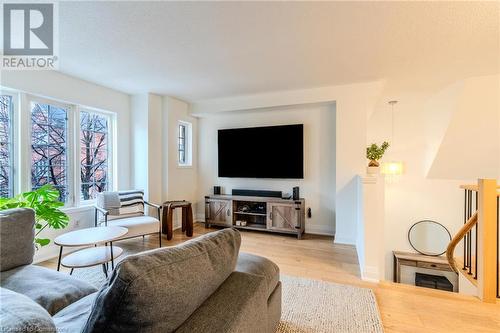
(77,223)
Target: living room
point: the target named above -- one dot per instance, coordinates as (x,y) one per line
(147,98)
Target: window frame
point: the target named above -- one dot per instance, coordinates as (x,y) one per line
(13,135)
(188,144)
(21,145)
(111,152)
(70,147)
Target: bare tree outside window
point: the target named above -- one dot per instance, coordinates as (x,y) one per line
(49,127)
(6,163)
(93,154)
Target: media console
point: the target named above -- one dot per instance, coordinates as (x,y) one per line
(257,213)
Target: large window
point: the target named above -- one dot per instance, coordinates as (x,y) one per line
(6,160)
(44,141)
(49,137)
(94,154)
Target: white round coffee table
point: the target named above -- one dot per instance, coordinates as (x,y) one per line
(90,256)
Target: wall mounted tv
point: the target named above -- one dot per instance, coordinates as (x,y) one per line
(262,152)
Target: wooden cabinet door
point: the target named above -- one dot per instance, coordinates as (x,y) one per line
(219,212)
(282,217)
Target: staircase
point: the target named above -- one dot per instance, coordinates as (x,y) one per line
(479,259)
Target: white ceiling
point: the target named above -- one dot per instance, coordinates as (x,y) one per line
(200,50)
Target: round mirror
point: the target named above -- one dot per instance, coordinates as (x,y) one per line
(429,237)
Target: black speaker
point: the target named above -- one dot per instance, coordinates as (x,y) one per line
(296,194)
(216,190)
(257,193)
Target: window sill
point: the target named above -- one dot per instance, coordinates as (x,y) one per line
(180,166)
(79,209)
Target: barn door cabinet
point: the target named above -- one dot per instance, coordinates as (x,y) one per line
(259,213)
(219,212)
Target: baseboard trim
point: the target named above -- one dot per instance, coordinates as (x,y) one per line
(344,240)
(370,274)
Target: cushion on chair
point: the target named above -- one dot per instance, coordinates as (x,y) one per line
(122,202)
(249,263)
(17,234)
(18,313)
(73,317)
(51,289)
(138,225)
(157,290)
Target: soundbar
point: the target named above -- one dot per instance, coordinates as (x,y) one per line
(257,193)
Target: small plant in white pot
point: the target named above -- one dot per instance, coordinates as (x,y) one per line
(374,153)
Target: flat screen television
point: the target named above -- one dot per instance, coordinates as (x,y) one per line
(262,152)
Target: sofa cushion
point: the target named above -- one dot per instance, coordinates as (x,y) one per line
(249,263)
(17,234)
(157,290)
(18,313)
(51,289)
(73,317)
(138,225)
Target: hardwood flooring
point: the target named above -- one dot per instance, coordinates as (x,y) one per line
(403,308)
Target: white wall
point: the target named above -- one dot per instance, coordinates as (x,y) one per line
(64,88)
(182,180)
(472,133)
(371,230)
(422,122)
(318,185)
(155,168)
(353,104)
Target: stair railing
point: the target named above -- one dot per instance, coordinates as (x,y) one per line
(481,237)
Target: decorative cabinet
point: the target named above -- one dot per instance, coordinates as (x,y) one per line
(256,213)
(218,211)
(283,217)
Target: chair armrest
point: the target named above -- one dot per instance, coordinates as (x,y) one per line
(158,210)
(104,212)
(152,205)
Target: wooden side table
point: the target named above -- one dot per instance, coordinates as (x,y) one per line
(167,220)
(439,263)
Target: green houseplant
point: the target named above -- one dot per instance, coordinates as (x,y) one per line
(45,202)
(374,153)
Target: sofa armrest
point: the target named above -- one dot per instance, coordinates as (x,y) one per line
(17,234)
(239,305)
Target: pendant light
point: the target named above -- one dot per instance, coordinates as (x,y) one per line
(393,169)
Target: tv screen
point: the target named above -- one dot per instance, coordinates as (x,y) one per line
(262,152)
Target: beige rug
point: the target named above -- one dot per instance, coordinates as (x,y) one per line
(308,305)
(318,306)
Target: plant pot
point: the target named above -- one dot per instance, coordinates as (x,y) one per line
(373,163)
(373,170)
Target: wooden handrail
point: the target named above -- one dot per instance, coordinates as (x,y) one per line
(473,187)
(450,250)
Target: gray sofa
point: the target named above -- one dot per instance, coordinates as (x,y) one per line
(203,285)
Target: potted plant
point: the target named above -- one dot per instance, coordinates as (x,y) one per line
(374,153)
(45,202)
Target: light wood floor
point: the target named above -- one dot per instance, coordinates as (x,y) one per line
(403,308)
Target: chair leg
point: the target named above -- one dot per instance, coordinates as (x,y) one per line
(71,271)
(189,221)
(170,223)
(184,215)
(159,237)
(105,270)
